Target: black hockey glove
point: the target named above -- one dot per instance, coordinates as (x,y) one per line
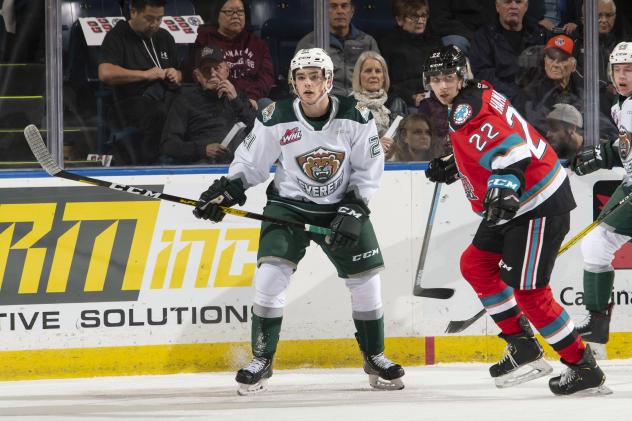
(347,225)
(442,170)
(592,158)
(223,192)
(502,197)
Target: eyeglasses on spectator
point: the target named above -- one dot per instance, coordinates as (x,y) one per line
(417,18)
(231,12)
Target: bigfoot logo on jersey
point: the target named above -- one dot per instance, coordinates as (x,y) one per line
(291,135)
(321,165)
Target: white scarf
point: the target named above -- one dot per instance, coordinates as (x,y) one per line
(375,101)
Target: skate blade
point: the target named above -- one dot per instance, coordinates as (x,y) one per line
(377,382)
(594,391)
(527,372)
(252,389)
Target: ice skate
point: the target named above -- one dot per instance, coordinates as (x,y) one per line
(596,327)
(253,377)
(583,378)
(383,373)
(523,360)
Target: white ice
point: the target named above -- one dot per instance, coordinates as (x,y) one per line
(444,392)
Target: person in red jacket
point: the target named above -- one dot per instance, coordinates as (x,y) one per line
(247,55)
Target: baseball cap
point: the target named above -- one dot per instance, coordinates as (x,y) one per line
(567,114)
(562,43)
(209,52)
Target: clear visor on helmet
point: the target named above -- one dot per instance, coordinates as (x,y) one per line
(444,73)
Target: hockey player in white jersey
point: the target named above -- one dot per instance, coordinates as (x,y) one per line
(329,164)
(600,245)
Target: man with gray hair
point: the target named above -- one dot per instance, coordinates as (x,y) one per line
(497,46)
(346,43)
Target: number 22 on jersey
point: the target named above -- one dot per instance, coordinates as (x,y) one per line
(511,117)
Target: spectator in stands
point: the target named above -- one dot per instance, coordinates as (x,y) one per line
(496,47)
(564,124)
(370,86)
(346,43)
(200,117)
(456,21)
(557,82)
(560,16)
(406,49)
(139,59)
(613,29)
(416,140)
(247,55)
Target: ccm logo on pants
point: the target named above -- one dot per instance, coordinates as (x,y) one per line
(365,255)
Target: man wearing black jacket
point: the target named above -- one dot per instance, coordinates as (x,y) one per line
(496,47)
(201,116)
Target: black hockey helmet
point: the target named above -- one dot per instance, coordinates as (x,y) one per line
(444,60)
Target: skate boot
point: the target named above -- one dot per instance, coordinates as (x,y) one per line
(383,373)
(522,350)
(584,377)
(596,328)
(254,376)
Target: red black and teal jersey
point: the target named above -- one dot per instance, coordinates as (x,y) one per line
(487,134)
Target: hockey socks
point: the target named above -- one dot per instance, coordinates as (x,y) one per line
(265,335)
(383,373)
(552,321)
(597,290)
(370,335)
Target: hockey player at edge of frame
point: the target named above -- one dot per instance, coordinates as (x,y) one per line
(329,164)
(514,180)
(600,244)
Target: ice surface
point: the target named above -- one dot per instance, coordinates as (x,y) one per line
(444,392)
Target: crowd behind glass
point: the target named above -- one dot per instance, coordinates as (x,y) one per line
(141,99)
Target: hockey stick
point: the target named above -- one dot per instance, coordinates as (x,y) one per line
(456,326)
(418,290)
(45,159)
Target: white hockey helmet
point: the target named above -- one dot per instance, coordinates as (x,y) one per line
(313,57)
(622,53)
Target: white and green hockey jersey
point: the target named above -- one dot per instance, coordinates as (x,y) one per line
(622,116)
(319,165)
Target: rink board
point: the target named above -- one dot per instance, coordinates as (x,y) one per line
(98,282)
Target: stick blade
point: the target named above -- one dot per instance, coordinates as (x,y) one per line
(438,293)
(39,149)
(456,326)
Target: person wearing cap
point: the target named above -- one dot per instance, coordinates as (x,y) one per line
(497,46)
(564,124)
(247,55)
(201,116)
(140,61)
(558,82)
(555,82)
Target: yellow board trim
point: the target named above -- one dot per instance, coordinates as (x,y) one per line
(322,353)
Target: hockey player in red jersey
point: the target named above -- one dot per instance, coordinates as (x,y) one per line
(514,180)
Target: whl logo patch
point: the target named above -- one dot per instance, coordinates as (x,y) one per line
(291,135)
